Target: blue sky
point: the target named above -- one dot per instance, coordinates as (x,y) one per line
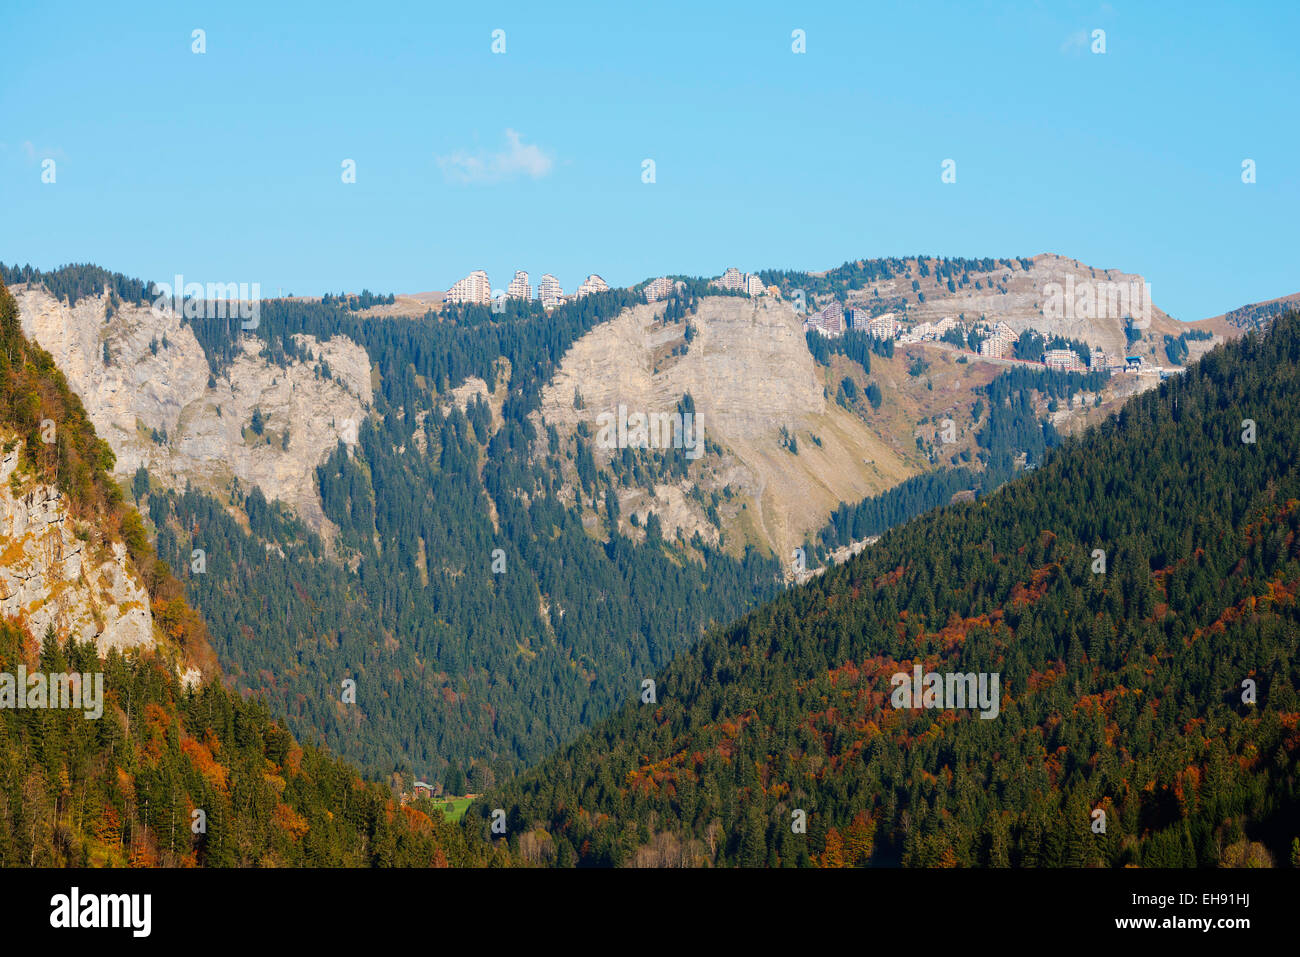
(226,166)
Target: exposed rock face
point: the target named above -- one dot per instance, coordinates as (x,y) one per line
(750,375)
(50,577)
(756,388)
(143,389)
(748,368)
(842,554)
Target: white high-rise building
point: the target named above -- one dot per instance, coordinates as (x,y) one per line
(660,288)
(731,279)
(519,287)
(828,321)
(473,288)
(744,282)
(549,291)
(883,326)
(1065,360)
(592,283)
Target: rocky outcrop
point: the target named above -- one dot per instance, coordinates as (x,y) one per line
(749,373)
(52,576)
(155,383)
(747,368)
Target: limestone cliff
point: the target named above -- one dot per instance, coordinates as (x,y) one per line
(144,379)
(54,572)
(750,375)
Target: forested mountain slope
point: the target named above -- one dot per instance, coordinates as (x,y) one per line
(485,620)
(1158,686)
(181,778)
(456,540)
(123,786)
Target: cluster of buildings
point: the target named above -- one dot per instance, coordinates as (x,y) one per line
(1001,341)
(748,283)
(927,331)
(732,279)
(1064,360)
(834,320)
(883,326)
(476,288)
(998,340)
(661,288)
(831,321)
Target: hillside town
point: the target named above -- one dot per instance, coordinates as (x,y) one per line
(995,340)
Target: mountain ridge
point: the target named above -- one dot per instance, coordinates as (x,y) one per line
(474,406)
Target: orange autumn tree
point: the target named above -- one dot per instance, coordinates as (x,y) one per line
(833,856)
(859,840)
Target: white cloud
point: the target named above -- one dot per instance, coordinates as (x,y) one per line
(516,160)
